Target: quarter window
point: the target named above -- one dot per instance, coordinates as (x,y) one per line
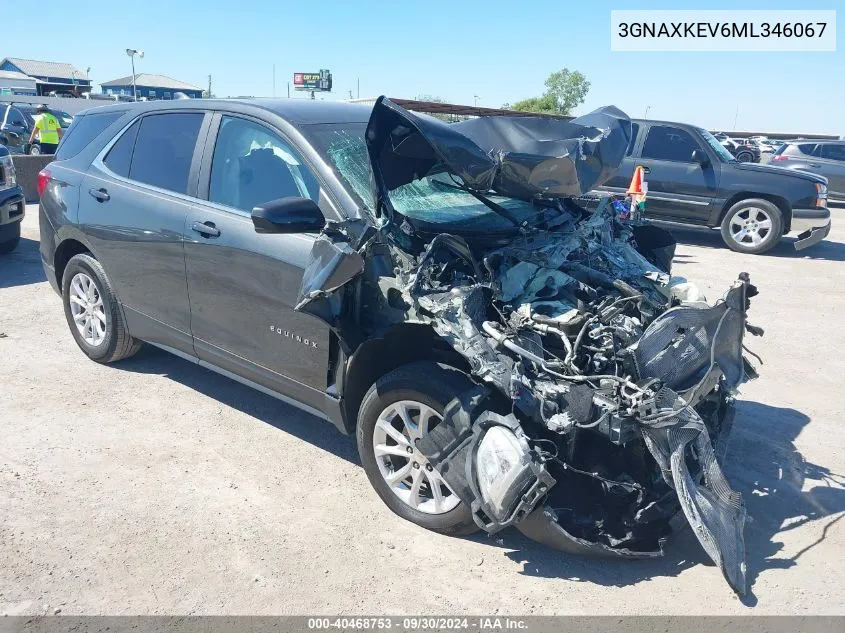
(119,157)
(253,165)
(669,143)
(82,131)
(164,149)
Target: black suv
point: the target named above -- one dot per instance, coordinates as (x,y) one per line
(693,179)
(503,355)
(12,204)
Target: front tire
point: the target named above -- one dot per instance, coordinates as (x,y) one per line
(93,312)
(11,244)
(752,226)
(400,407)
(745,157)
(35,149)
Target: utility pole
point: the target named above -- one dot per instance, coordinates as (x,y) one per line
(209,86)
(274,81)
(735,117)
(359,87)
(288,90)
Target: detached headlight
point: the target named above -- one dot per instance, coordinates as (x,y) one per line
(502,469)
(8,178)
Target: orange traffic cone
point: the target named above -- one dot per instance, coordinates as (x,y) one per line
(637,187)
(637,192)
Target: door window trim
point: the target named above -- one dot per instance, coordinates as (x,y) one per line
(196,158)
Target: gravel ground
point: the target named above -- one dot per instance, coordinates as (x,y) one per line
(155,486)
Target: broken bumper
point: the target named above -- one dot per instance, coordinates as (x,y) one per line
(812,226)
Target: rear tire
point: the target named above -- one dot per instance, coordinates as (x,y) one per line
(745,157)
(427,386)
(93,312)
(752,226)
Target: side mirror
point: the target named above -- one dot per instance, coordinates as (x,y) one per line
(288,215)
(698,156)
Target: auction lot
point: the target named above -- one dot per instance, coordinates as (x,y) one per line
(156,486)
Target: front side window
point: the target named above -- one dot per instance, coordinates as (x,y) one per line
(164,149)
(833,152)
(253,165)
(669,143)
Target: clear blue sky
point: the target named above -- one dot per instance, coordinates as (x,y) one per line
(500,51)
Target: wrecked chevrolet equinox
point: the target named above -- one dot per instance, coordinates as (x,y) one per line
(508,352)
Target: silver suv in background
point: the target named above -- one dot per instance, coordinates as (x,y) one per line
(825,158)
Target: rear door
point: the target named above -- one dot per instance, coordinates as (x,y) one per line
(243,286)
(133,206)
(831,159)
(678,188)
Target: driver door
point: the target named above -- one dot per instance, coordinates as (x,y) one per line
(678,187)
(243,285)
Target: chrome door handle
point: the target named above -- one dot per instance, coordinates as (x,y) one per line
(206,229)
(100,195)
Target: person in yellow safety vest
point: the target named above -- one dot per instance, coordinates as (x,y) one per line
(47,129)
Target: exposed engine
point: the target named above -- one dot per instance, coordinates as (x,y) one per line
(610,379)
(604,384)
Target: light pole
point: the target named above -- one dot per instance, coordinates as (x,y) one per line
(476,98)
(132,52)
(647,108)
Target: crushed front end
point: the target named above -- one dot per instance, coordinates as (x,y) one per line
(604,385)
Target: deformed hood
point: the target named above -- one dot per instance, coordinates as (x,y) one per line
(519,157)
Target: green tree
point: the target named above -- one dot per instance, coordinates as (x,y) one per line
(565,89)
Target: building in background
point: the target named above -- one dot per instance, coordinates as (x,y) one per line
(50,77)
(15,83)
(151,87)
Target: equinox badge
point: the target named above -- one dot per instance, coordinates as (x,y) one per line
(293,337)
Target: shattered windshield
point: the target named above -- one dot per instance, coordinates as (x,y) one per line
(713,142)
(430,201)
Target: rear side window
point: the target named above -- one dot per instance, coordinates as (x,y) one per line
(833,152)
(164,149)
(119,157)
(82,131)
(669,143)
(807,148)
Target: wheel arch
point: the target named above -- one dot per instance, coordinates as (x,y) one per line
(779,201)
(402,344)
(66,249)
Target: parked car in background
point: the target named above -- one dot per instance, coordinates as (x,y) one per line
(16,123)
(12,204)
(742,150)
(826,158)
(693,179)
(763,143)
